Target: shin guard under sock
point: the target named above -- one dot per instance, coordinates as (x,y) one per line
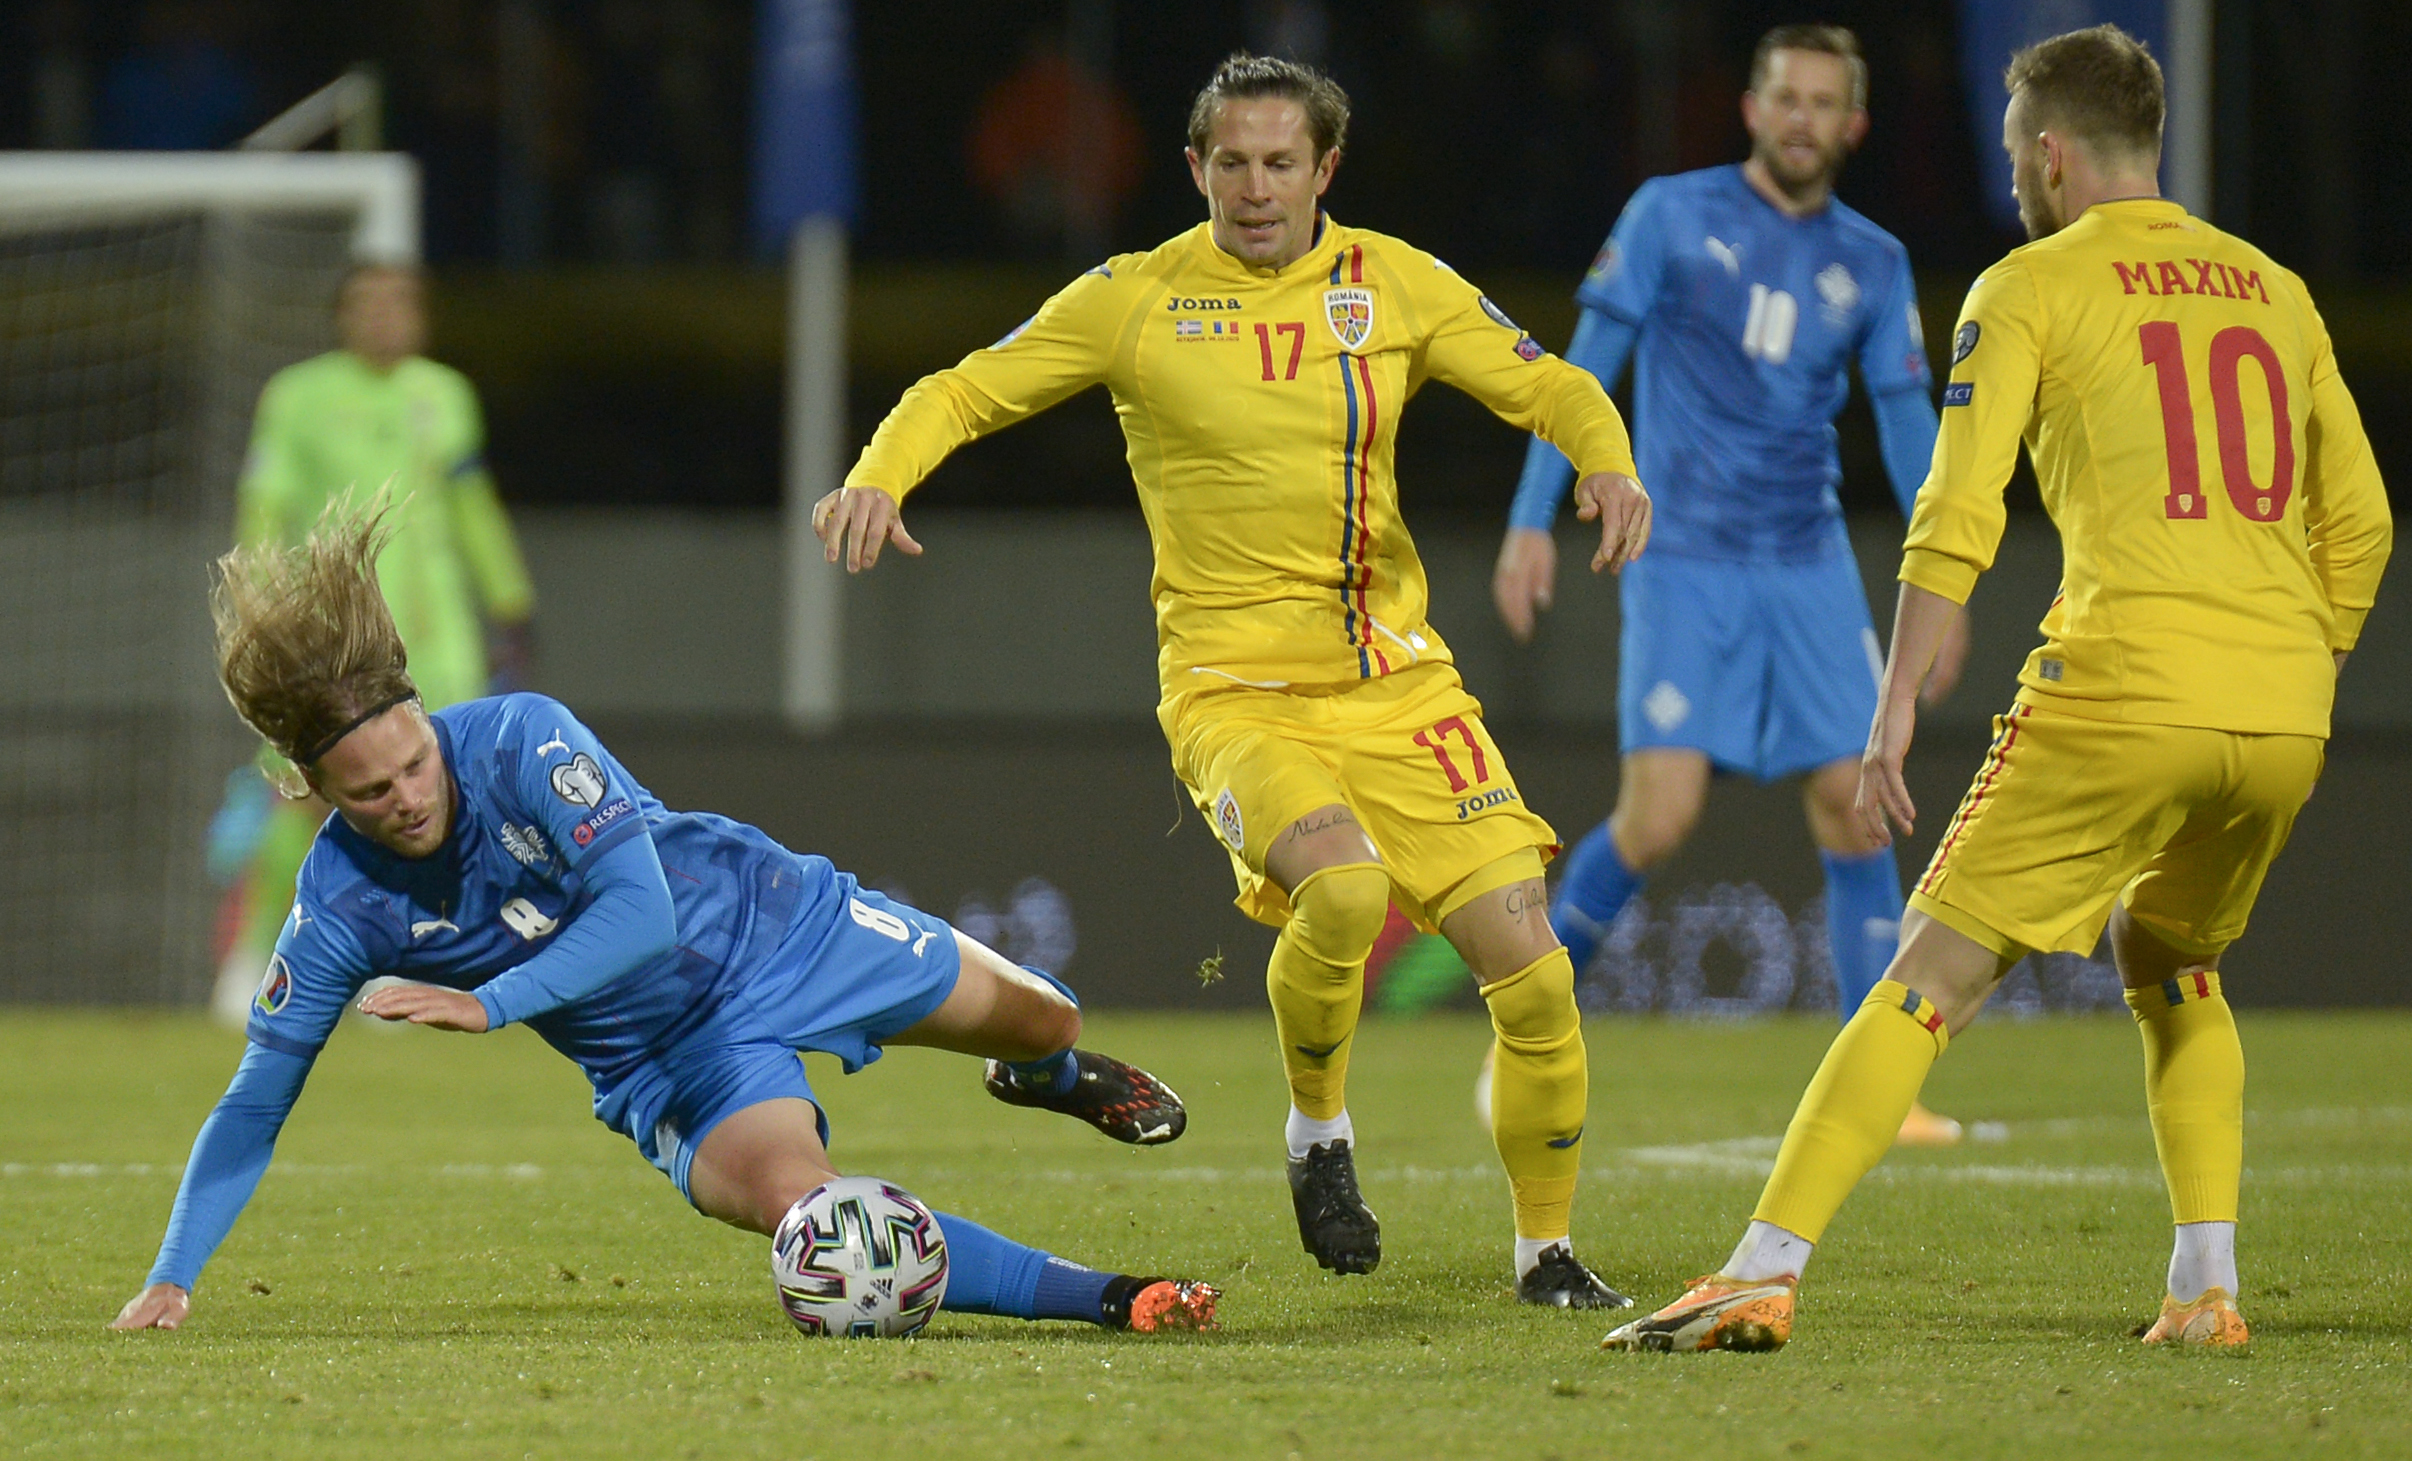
(1540,1085)
(2194,1088)
(988,1273)
(1853,1108)
(1316,979)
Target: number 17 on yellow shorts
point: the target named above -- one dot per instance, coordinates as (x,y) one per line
(1407,753)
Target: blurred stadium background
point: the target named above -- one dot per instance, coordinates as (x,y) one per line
(607,195)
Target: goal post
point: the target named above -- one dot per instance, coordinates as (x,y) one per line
(145,299)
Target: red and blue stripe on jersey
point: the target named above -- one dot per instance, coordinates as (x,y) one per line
(1356,484)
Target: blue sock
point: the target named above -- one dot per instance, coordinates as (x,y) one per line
(1591,892)
(1059,1073)
(1863,922)
(989,1274)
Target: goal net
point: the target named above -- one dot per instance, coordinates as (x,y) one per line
(144,301)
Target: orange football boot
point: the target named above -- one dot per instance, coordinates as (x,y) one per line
(2210,1322)
(1716,1312)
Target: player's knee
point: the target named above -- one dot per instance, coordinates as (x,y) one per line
(1534,1008)
(1336,913)
(1653,831)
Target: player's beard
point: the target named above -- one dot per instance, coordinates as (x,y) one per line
(1818,177)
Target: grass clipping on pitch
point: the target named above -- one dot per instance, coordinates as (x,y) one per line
(449,1257)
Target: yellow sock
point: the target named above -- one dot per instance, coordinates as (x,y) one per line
(1317,978)
(1540,1085)
(1853,1108)
(2194,1086)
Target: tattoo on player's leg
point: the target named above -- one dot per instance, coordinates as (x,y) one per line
(1322,821)
(1528,900)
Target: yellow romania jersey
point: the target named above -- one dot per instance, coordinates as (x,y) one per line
(2222,525)
(1261,407)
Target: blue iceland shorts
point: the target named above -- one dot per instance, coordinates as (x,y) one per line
(1770,669)
(865,969)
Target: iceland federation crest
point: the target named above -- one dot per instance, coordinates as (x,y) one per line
(1350,314)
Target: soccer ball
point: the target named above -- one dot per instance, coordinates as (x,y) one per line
(861,1258)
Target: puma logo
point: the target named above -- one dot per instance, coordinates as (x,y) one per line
(433,925)
(1725,254)
(555,744)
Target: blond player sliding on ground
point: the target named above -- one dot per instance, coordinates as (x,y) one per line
(1258,364)
(2223,530)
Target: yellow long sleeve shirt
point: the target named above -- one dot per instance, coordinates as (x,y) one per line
(2222,524)
(1261,408)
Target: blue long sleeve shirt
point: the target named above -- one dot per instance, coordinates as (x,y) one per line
(564,896)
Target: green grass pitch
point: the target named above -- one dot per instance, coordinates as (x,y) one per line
(451,1258)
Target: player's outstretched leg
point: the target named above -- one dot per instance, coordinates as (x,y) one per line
(2194,1089)
(991,1274)
(1863,913)
(759,1161)
(1846,1121)
(1316,982)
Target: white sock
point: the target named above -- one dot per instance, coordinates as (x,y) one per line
(1767,1251)
(1304,1131)
(1529,1251)
(2204,1258)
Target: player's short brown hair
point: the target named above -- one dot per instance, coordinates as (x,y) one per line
(1243,75)
(306,646)
(1826,40)
(2099,84)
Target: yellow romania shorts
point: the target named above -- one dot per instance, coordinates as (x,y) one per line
(1407,753)
(2180,824)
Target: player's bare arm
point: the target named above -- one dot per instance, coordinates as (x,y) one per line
(1920,624)
(1951,658)
(857,522)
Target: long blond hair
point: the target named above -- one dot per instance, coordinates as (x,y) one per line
(306,646)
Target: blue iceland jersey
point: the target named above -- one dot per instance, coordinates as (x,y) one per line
(1749,321)
(539,797)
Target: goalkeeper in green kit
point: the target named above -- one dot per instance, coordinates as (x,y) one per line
(375,413)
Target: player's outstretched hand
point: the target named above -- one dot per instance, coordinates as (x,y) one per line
(161,1306)
(858,522)
(1622,509)
(1882,792)
(425,1004)
(1951,657)
(1524,579)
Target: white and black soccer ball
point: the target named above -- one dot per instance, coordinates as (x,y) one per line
(861,1258)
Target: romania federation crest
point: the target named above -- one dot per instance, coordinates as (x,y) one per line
(1350,313)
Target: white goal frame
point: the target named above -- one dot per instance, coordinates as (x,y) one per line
(40,187)
(112,676)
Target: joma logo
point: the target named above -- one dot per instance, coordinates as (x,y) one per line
(1179,302)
